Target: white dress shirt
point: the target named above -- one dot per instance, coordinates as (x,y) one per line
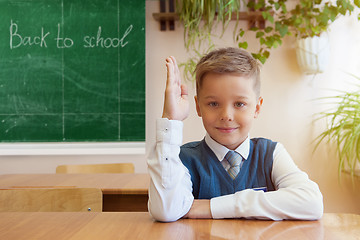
(170,192)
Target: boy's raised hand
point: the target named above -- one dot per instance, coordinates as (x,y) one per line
(176,104)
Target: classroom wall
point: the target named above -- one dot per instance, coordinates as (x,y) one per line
(286,116)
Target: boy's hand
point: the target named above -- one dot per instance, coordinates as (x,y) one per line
(176,105)
(199,209)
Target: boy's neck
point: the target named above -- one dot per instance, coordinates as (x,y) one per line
(220,150)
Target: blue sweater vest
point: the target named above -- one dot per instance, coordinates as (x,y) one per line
(210,179)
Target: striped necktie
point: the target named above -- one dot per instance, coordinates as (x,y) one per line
(235,160)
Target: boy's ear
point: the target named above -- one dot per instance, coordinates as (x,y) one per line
(197,106)
(258,107)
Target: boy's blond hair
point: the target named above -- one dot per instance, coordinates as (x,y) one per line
(229,60)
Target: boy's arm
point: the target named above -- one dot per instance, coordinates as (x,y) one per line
(170,192)
(295,197)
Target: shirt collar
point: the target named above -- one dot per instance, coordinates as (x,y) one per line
(220,150)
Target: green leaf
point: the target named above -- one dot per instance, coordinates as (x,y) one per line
(259,34)
(270,18)
(251,4)
(255,55)
(282,28)
(277,6)
(265,15)
(268,29)
(267,54)
(357,3)
(241,33)
(243,45)
(283,8)
(262,59)
(269,42)
(258,6)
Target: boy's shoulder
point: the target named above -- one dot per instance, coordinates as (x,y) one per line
(262,144)
(191,145)
(262,140)
(191,150)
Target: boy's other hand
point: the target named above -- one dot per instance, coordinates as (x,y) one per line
(199,209)
(176,104)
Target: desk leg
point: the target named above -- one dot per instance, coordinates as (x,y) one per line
(125,203)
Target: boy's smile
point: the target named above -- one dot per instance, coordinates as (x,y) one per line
(226,130)
(228,105)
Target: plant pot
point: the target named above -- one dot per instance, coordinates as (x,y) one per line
(313,54)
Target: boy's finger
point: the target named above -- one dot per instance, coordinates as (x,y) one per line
(174,60)
(176,71)
(184,91)
(170,69)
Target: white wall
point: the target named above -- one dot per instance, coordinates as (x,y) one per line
(286,116)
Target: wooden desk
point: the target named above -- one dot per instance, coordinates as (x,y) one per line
(136,225)
(121,191)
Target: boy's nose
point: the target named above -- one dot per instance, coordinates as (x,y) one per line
(226,115)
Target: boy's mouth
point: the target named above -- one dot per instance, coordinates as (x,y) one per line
(226,129)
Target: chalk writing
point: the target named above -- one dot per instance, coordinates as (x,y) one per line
(99,41)
(63,42)
(17,40)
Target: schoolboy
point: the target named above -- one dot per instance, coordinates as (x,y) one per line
(199,179)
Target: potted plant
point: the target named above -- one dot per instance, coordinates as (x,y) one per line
(307,21)
(307,18)
(343,129)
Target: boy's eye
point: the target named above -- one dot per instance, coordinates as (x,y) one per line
(213,104)
(239,104)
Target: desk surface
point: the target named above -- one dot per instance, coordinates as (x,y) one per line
(109,183)
(124,225)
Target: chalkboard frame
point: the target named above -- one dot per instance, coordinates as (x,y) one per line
(73,149)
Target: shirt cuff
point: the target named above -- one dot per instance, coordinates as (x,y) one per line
(223,206)
(169,131)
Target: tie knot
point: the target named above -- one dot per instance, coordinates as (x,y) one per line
(233,158)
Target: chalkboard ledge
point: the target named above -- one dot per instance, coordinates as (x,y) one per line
(123,148)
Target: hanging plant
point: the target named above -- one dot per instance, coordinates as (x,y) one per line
(306,18)
(199,19)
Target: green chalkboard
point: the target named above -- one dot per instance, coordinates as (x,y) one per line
(72,70)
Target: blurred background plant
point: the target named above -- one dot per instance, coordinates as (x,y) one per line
(343,128)
(304,18)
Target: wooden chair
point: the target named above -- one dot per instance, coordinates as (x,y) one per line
(51,200)
(97,168)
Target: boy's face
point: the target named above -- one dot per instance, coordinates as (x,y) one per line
(228,106)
